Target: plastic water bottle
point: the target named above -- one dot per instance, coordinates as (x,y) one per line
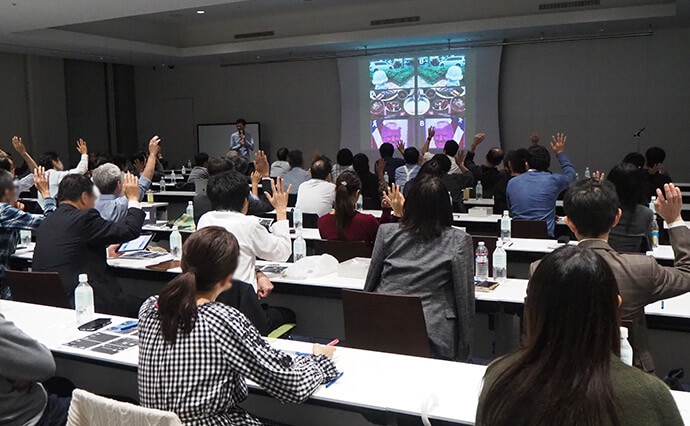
(176,243)
(360,203)
(149,196)
(183,171)
(479,191)
(482,262)
(450,198)
(626,349)
(387,179)
(506,226)
(172,177)
(655,233)
(299,248)
(190,209)
(588,174)
(500,259)
(297,220)
(162,185)
(651,205)
(189,164)
(83,300)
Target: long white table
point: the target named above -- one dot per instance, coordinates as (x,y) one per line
(532,245)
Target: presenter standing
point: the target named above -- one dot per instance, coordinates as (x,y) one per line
(241,141)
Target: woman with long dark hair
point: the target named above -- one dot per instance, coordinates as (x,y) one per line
(568,371)
(345,222)
(373,184)
(425,256)
(195,353)
(633,233)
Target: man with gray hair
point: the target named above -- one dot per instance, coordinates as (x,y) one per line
(108,178)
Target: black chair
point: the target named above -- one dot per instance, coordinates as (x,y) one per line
(385,323)
(490,243)
(40,288)
(529,229)
(343,250)
(634,243)
(371,203)
(292,200)
(309,220)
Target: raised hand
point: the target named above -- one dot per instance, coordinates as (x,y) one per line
(41,182)
(279,199)
(395,199)
(256,178)
(130,186)
(18,145)
(401,147)
(154,146)
(431,132)
(598,175)
(81,146)
(460,158)
(261,164)
(669,204)
(380,166)
(558,142)
(478,138)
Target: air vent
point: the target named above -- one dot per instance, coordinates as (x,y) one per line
(254,35)
(395,21)
(568,4)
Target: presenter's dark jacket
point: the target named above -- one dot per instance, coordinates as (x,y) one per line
(72,242)
(642,281)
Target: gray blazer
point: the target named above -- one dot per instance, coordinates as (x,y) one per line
(440,272)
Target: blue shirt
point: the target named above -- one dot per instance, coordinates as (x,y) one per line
(242,150)
(406,173)
(533,194)
(114,207)
(296,176)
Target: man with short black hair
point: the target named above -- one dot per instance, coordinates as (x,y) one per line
(279,167)
(74,240)
(450,150)
(654,158)
(200,170)
(296,175)
(318,193)
(386,150)
(533,194)
(515,165)
(592,209)
(488,173)
(241,141)
(108,178)
(409,170)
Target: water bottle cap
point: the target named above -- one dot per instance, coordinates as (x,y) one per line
(481,243)
(506,212)
(175,228)
(624,332)
(190,203)
(83,278)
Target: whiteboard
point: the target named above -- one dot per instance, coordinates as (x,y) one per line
(214,139)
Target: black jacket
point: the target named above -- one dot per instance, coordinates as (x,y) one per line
(73,242)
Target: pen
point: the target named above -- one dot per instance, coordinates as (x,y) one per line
(333,342)
(134,324)
(510,245)
(662,304)
(328,385)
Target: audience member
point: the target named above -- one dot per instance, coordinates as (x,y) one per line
(279,167)
(51,162)
(343,162)
(200,170)
(316,195)
(533,194)
(228,193)
(373,185)
(450,149)
(141,160)
(633,233)
(387,150)
(657,175)
(488,173)
(24,363)
(74,239)
(425,256)
(636,159)
(296,175)
(12,219)
(591,209)
(344,222)
(215,348)
(24,183)
(409,170)
(516,163)
(108,178)
(241,141)
(568,371)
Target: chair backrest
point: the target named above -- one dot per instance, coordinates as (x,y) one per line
(309,220)
(633,243)
(490,243)
(40,288)
(88,409)
(529,229)
(369,203)
(343,250)
(292,200)
(385,323)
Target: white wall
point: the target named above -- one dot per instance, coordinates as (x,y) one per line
(298,104)
(600,93)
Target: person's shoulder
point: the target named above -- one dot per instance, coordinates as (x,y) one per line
(225,317)
(149,306)
(633,384)
(498,366)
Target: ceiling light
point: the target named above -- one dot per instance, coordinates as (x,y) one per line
(200,12)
